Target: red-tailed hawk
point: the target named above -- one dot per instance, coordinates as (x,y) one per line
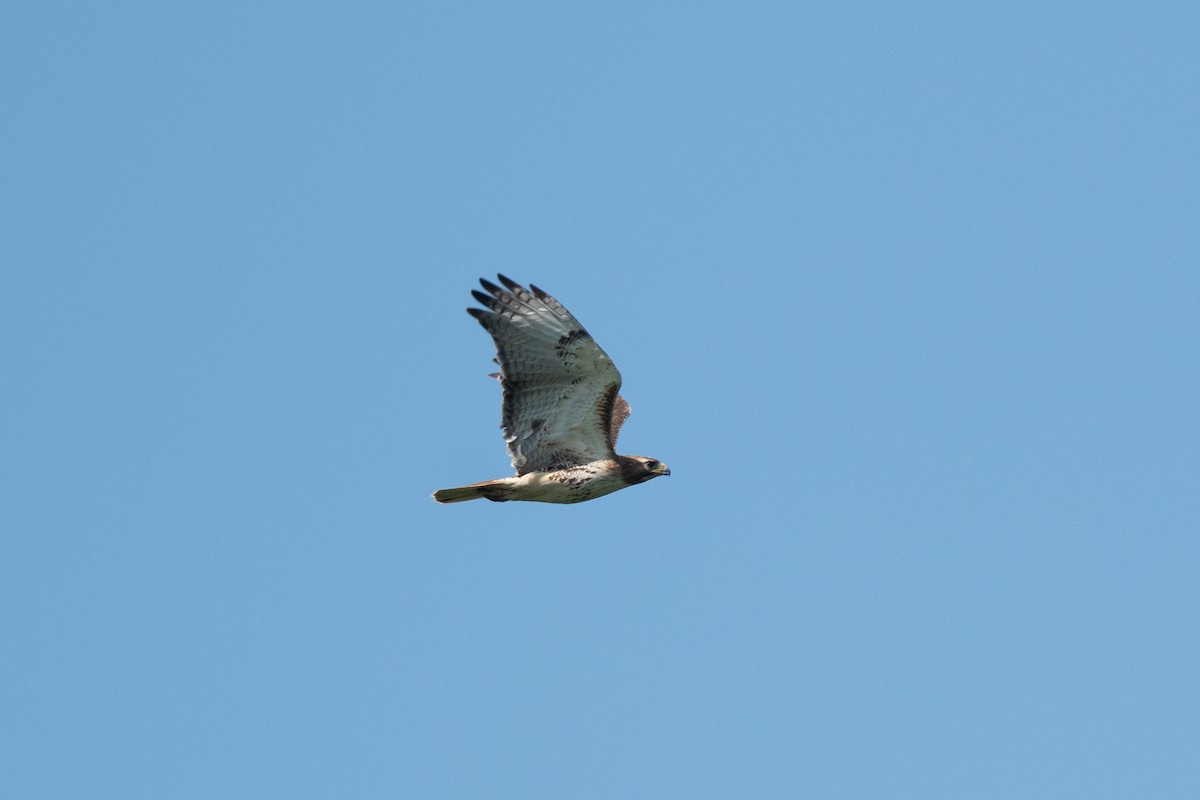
(561,411)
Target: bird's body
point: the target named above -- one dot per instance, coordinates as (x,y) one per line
(562,408)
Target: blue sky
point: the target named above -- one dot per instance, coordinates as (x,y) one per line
(905,296)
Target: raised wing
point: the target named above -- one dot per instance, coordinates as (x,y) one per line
(561,405)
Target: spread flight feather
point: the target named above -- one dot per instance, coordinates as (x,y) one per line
(562,411)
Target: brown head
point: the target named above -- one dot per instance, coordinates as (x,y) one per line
(639,469)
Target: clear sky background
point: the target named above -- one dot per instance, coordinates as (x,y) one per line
(907,297)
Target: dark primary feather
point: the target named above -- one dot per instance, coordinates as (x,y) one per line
(561,401)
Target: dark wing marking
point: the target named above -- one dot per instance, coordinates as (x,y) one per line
(561,405)
(620,413)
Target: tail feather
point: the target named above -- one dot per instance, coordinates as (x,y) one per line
(472,491)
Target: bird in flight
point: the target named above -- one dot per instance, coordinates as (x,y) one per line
(562,411)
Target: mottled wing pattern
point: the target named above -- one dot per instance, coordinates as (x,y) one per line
(561,406)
